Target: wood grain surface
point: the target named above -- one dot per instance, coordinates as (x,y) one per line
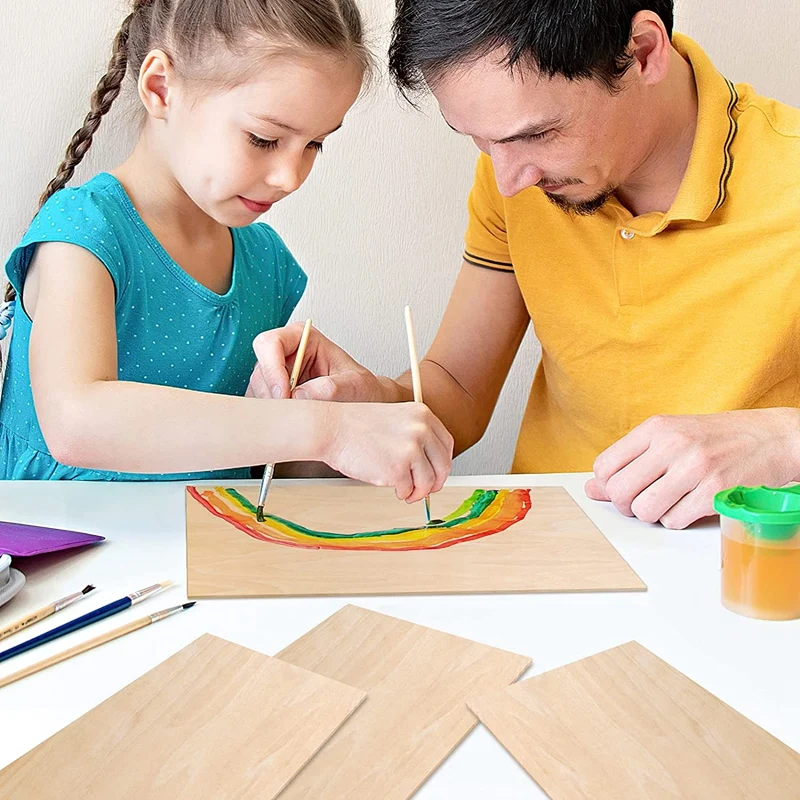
(556,548)
(213,721)
(625,724)
(416,679)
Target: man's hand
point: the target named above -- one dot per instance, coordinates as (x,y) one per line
(669,468)
(328,372)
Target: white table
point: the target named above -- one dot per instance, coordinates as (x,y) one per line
(754,666)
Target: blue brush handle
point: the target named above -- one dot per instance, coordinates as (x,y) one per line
(68,627)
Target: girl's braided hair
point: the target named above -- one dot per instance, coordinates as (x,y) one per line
(187,29)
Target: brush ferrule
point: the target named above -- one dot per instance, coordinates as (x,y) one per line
(167,612)
(269,471)
(68,600)
(137,597)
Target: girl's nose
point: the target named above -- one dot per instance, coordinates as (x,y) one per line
(287,175)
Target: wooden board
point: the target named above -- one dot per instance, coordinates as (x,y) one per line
(555,548)
(624,724)
(415,714)
(215,720)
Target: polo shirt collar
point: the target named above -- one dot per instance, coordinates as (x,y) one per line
(704,187)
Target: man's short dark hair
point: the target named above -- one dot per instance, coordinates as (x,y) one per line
(570,38)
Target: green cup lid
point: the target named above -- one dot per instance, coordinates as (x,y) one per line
(767,513)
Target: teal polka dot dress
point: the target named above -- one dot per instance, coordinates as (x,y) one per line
(171,330)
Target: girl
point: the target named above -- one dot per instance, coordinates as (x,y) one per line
(138,294)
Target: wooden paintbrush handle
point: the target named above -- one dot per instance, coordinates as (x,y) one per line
(416,380)
(20,624)
(300,357)
(76,650)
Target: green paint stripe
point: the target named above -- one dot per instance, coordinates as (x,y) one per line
(241,500)
(470,509)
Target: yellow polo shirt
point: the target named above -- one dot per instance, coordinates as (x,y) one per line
(694,311)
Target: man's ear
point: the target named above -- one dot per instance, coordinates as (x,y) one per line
(650,46)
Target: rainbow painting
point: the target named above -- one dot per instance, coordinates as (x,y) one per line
(483,513)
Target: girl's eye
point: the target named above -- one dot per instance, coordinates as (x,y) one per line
(257,141)
(270,144)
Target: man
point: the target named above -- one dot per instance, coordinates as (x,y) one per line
(644,214)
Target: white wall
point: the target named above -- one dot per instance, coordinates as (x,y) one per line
(379,223)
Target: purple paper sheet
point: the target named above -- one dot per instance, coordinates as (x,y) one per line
(21,540)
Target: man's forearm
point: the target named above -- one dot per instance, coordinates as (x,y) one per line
(445,396)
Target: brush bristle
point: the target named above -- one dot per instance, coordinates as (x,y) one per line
(189,605)
(260,514)
(90,588)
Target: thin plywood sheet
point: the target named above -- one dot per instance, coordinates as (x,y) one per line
(524,540)
(624,724)
(214,720)
(417,680)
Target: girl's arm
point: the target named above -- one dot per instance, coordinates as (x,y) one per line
(91,419)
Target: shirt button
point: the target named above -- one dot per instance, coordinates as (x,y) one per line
(626,234)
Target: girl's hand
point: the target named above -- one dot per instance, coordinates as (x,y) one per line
(401,445)
(328,373)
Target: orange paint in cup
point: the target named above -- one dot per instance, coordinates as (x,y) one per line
(760,551)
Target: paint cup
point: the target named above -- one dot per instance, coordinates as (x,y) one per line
(760,551)
(11,580)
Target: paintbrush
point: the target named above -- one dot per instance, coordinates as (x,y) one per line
(45,612)
(269,469)
(416,382)
(96,642)
(87,619)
